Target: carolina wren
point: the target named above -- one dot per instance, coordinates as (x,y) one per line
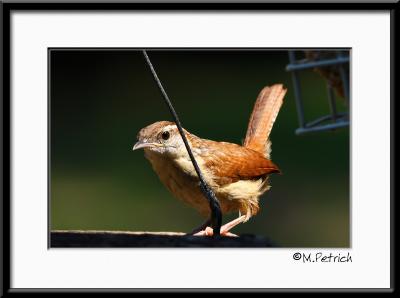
(330,73)
(237,174)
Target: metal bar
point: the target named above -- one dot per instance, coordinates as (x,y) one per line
(332,103)
(321,63)
(318,121)
(330,126)
(340,117)
(297,91)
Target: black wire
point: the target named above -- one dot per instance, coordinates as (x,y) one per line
(216,215)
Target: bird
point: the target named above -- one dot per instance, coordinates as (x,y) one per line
(238,174)
(330,73)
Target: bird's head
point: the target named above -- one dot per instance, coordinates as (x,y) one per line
(161,137)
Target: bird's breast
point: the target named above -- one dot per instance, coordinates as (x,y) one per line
(179,177)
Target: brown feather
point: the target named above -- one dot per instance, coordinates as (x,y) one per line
(262,118)
(229,162)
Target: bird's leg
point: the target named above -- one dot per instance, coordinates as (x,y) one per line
(224,229)
(230,225)
(200,228)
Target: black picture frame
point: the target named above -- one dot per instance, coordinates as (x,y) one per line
(7,7)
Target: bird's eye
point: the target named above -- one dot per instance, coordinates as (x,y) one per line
(165,135)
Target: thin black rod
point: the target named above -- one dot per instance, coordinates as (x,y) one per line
(216,215)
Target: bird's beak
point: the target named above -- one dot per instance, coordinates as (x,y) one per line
(141,144)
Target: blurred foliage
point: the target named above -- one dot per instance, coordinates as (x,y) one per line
(100,100)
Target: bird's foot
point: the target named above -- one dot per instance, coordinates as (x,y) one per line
(210,232)
(200,228)
(224,231)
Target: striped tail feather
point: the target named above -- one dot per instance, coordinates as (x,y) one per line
(262,119)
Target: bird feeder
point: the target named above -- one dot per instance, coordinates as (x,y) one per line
(333,66)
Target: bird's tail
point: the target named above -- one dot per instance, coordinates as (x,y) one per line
(262,118)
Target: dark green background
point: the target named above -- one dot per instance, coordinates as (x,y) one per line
(101,99)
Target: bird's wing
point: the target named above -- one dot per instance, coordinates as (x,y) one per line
(230,162)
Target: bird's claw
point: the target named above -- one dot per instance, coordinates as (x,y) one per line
(224,231)
(210,232)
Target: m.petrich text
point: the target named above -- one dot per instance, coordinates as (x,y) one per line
(326,258)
